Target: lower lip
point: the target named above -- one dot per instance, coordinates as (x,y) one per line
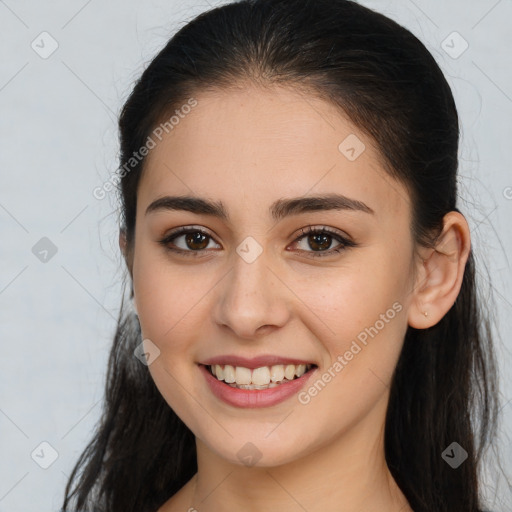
(254,397)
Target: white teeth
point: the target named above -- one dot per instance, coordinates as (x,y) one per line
(219,372)
(229,374)
(277,373)
(242,375)
(300,369)
(259,378)
(289,371)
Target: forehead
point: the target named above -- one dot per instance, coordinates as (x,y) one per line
(263,144)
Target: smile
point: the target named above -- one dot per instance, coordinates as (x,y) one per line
(264,377)
(263,386)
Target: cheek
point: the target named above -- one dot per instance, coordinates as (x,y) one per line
(361,323)
(349,299)
(168,303)
(167,295)
(366,325)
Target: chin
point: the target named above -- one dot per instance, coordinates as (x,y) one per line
(259,453)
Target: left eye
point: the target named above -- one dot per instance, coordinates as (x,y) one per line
(321,239)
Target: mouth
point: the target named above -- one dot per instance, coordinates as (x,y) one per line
(264,377)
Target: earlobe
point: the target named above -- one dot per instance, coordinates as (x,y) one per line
(440,278)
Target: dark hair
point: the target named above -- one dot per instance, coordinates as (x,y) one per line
(384,80)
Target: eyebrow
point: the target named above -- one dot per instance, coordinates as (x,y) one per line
(278,210)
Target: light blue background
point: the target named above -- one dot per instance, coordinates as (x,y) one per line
(58,141)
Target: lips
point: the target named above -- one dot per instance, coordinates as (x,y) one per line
(250,398)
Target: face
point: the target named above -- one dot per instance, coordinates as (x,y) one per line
(255,282)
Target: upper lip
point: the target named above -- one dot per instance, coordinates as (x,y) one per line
(253,362)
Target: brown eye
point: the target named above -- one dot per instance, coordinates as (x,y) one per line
(187,241)
(320,240)
(196,240)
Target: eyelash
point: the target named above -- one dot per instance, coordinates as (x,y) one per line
(309,230)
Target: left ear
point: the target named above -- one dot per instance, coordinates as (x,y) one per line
(439,279)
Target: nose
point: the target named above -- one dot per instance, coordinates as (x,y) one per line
(252,301)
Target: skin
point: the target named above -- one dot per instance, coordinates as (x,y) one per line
(247,149)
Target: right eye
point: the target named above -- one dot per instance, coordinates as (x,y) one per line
(195,241)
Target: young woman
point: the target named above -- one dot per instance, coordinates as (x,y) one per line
(305,331)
